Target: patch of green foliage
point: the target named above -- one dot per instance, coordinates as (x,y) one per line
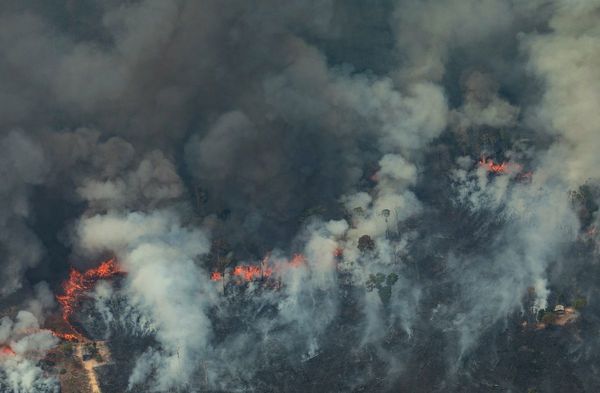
(375,281)
(365,243)
(391,279)
(584,201)
(383,284)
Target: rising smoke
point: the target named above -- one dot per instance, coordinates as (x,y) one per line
(401,174)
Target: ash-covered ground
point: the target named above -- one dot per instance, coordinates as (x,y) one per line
(300,196)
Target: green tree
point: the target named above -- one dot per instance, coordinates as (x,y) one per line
(358,211)
(391,279)
(365,243)
(385,294)
(386,214)
(375,281)
(383,284)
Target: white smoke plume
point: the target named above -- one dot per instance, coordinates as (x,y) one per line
(23,344)
(407,172)
(165,284)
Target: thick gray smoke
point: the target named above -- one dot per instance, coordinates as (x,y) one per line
(23,344)
(409,178)
(23,167)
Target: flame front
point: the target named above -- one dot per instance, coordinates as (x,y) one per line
(297,260)
(247,273)
(6,351)
(76,286)
(499,169)
(67,336)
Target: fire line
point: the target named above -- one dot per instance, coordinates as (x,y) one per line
(76,286)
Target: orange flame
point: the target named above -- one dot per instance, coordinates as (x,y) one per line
(67,336)
(297,260)
(77,285)
(499,169)
(245,273)
(6,351)
(249,272)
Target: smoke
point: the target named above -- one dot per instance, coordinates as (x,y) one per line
(404,175)
(165,285)
(23,344)
(536,224)
(23,163)
(566,60)
(428,31)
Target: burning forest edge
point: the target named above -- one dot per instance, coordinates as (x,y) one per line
(76,286)
(300,197)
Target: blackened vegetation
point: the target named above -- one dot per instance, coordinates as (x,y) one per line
(340,364)
(250,121)
(507,356)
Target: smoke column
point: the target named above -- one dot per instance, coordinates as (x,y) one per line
(302,196)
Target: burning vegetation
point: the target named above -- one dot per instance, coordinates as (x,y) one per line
(76,286)
(393,152)
(513,169)
(266,270)
(244,273)
(5,350)
(499,168)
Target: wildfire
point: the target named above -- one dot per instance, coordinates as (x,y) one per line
(77,285)
(67,336)
(246,273)
(5,350)
(499,169)
(297,260)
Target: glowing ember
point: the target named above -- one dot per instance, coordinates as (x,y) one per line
(265,270)
(338,252)
(6,351)
(297,260)
(77,285)
(249,272)
(499,169)
(67,336)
